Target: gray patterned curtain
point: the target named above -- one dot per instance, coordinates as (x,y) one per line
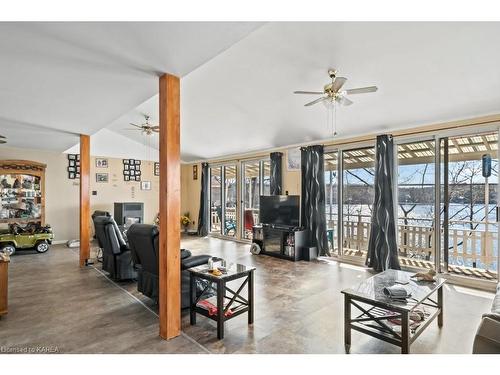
(382,246)
(276,183)
(313,197)
(203,213)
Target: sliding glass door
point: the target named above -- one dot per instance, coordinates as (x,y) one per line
(469,178)
(215,199)
(331,200)
(416,203)
(251,196)
(358,179)
(256,181)
(230,224)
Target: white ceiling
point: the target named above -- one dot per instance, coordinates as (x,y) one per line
(79,77)
(241,100)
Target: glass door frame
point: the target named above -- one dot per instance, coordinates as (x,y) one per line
(241,177)
(459,132)
(437,188)
(340,149)
(236,164)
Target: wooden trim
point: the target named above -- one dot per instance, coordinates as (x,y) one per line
(419,130)
(84,199)
(170,208)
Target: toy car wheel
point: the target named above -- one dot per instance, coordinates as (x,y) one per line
(42,247)
(8,249)
(255,248)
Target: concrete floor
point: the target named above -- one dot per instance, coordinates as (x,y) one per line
(299,309)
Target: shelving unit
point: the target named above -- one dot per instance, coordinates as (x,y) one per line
(284,243)
(22,192)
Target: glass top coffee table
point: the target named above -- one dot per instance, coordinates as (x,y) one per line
(393,321)
(228,303)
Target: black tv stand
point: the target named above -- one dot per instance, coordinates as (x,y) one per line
(280,241)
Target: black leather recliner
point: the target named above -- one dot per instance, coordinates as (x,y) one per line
(143,241)
(116,256)
(94,215)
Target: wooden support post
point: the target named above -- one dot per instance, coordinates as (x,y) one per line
(170,208)
(84,199)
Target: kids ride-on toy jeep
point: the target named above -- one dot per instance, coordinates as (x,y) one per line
(32,236)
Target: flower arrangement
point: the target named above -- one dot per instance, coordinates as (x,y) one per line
(185,220)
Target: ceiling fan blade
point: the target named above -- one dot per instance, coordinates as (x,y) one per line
(137,126)
(338,83)
(1,136)
(362,90)
(316,101)
(2,141)
(309,92)
(343,100)
(132,129)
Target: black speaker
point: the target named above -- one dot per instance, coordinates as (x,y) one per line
(309,253)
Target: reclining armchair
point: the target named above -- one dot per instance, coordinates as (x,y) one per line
(116,256)
(144,243)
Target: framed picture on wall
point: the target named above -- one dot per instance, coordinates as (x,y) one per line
(126,173)
(126,178)
(101,163)
(72,163)
(138,178)
(71,175)
(137,162)
(293,159)
(125,161)
(102,177)
(146,185)
(126,167)
(72,156)
(131,166)
(132,172)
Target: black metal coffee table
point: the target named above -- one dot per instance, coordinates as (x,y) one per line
(378,311)
(236,303)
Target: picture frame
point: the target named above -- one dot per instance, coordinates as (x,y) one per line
(101,163)
(102,177)
(125,161)
(126,178)
(137,162)
(131,161)
(72,169)
(126,172)
(195,172)
(145,185)
(126,167)
(72,162)
(293,156)
(131,166)
(138,172)
(132,172)
(71,156)
(138,178)
(71,175)
(156,169)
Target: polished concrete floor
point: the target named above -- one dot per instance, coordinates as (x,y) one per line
(299,309)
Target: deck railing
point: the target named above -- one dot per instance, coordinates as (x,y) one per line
(466,246)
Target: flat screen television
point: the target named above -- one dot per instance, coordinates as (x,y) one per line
(280,210)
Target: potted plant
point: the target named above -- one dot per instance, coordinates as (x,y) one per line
(185,221)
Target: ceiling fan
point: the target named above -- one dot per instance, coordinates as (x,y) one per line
(333,91)
(146,127)
(2,139)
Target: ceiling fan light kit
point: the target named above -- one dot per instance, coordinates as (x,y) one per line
(334,95)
